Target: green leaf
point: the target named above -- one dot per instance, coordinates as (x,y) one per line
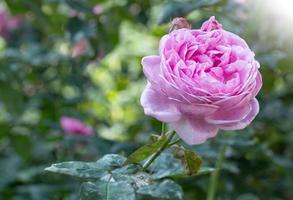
(166,165)
(125,173)
(178,9)
(146,150)
(110,161)
(131,174)
(137,180)
(115,190)
(78,169)
(89,191)
(177,162)
(166,190)
(192,162)
(89,169)
(202,171)
(127,169)
(205,170)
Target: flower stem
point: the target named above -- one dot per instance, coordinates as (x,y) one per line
(214,178)
(158,153)
(175,142)
(163,129)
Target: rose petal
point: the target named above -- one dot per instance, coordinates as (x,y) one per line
(158,106)
(151,67)
(233,101)
(194,131)
(226,116)
(197,109)
(258,84)
(234,39)
(211,24)
(246,121)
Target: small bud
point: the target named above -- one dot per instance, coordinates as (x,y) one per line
(211,24)
(178,23)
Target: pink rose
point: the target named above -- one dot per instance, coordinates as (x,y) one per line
(202,80)
(75,126)
(8,23)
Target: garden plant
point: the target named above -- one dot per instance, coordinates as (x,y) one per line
(140,100)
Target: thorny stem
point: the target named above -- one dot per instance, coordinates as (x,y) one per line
(214,178)
(158,153)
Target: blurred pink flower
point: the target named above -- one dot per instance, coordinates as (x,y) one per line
(202,80)
(80,47)
(8,23)
(98,9)
(75,126)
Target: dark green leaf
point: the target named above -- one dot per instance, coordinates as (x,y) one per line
(177,162)
(125,173)
(78,169)
(89,191)
(164,190)
(137,180)
(115,190)
(166,165)
(146,150)
(127,169)
(205,170)
(192,162)
(110,161)
(89,169)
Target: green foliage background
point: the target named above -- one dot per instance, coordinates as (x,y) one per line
(40,82)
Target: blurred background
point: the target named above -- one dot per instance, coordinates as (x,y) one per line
(82,59)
